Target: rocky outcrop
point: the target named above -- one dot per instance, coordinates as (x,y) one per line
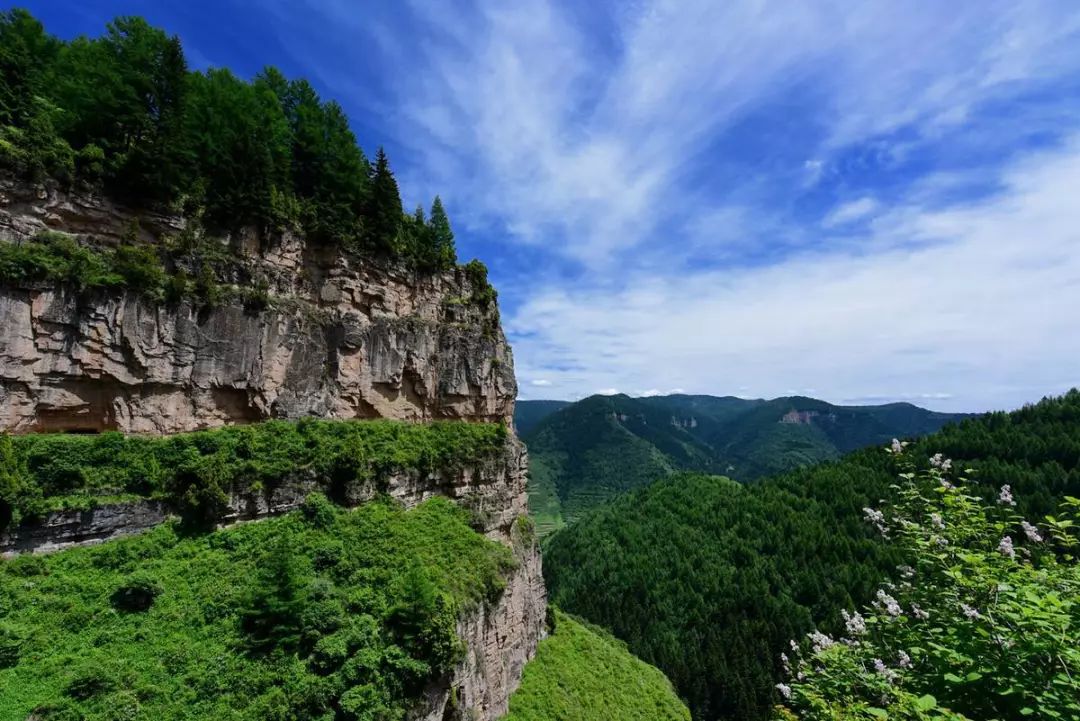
(499,641)
(338,338)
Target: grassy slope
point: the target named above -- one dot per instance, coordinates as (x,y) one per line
(381,590)
(581,673)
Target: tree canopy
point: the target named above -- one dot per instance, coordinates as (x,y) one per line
(124,113)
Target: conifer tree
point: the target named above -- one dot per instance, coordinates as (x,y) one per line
(383,219)
(442,237)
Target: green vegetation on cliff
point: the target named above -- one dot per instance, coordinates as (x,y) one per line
(709,580)
(195,471)
(122,112)
(585,453)
(581,673)
(322,614)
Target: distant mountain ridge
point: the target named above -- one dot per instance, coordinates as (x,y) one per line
(587,452)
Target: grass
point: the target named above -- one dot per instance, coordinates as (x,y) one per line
(194,471)
(544,504)
(321,614)
(582,673)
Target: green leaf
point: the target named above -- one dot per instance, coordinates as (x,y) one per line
(953,678)
(1027,711)
(877,712)
(926,703)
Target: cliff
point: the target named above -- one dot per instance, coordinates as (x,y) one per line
(333,337)
(338,338)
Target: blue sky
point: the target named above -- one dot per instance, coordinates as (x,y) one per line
(858,201)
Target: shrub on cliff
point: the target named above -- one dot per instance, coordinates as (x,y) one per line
(195,472)
(581,673)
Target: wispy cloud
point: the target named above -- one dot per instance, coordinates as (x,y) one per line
(850,212)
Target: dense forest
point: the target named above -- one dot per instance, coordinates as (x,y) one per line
(709,579)
(585,453)
(123,113)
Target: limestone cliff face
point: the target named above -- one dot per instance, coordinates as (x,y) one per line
(337,339)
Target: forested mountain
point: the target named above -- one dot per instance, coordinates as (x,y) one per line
(587,452)
(528,413)
(709,579)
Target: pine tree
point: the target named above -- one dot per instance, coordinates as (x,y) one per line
(383,218)
(442,237)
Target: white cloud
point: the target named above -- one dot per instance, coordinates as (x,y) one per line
(607,392)
(851,212)
(974,311)
(540,382)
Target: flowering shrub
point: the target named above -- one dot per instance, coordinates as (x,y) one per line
(983,622)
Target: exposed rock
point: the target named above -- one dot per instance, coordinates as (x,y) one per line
(795,417)
(336,341)
(63,529)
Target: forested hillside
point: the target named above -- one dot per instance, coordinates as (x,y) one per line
(528,413)
(709,579)
(590,451)
(122,112)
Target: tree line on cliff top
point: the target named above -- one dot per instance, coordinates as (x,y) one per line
(123,112)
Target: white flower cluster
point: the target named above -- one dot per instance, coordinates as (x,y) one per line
(1005,547)
(881,668)
(919,613)
(896,447)
(888,603)
(784,690)
(969,612)
(1005,498)
(877,518)
(854,623)
(820,641)
(903,660)
(936,520)
(941,463)
(1031,532)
